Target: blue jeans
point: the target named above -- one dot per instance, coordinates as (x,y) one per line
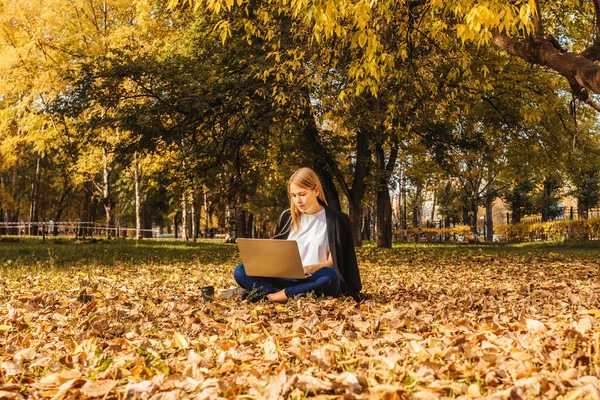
(324,282)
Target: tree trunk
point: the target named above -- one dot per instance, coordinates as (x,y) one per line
(404,208)
(106,195)
(196,221)
(230,222)
(384,207)
(367,225)
(241,224)
(331,193)
(184,217)
(138,197)
(384,219)
(250,231)
(516,210)
(34,203)
(176,224)
(384,202)
(582,209)
(473,214)
(5,211)
(206,215)
(311,133)
(489,218)
(357,193)
(547,192)
(88,230)
(417,208)
(193,218)
(62,204)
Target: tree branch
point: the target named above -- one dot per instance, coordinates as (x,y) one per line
(590,102)
(578,70)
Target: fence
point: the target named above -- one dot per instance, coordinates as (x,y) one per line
(560,213)
(77,229)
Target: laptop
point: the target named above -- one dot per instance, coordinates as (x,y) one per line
(272,258)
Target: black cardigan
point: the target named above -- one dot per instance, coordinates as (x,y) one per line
(341,246)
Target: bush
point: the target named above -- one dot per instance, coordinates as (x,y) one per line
(580,229)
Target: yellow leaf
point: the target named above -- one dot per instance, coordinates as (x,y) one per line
(179,341)
(595,313)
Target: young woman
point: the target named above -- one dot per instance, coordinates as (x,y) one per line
(326,247)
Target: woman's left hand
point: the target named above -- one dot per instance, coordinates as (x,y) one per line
(310,269)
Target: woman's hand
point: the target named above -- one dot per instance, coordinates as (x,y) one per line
(311,269)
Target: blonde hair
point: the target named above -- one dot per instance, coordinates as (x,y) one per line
(305,178)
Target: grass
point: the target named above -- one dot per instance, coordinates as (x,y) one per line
(444,320)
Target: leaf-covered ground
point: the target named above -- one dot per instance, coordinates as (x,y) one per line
(127,320)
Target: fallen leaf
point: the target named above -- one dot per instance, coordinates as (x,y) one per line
(98,388)
(11,368)
(179,341)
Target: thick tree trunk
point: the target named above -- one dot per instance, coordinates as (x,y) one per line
(331,193)
(311,134)
(357,193)
(384,218)
(516,210)
(241,224)
(250,228)
(354,194)
(384,202)
(546,201)
(138,196)
(583,208)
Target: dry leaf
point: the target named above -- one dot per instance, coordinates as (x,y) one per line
(172,395)
(535,326)
(311,384)
(11,368)
(4,395)
(179,341)
(348,382)
(98,388)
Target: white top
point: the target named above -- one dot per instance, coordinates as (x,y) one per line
(312,238)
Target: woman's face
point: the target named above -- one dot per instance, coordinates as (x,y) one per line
(305,199)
